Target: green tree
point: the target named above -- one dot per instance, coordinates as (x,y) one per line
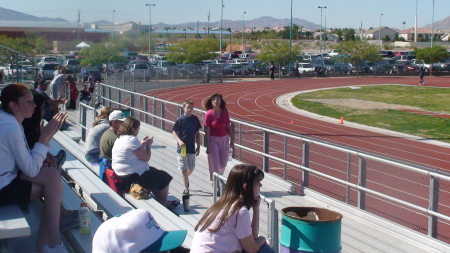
(18,44)
(41,44)
(193,51)
(279,53)
(431,54)
(357,52)
(101,53)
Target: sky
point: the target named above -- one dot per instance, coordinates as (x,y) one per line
(338,13)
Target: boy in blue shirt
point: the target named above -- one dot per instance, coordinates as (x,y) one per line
(186,133)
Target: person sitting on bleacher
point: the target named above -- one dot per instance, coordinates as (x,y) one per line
(130,162)
(108,139)
(227,225)
(22,174)
(92,144)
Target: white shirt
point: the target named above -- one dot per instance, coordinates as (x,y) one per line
(124,161)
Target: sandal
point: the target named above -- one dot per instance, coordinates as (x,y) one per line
(173,204)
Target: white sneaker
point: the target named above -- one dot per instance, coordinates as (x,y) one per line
(57,249)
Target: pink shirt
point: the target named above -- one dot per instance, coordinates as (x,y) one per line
(227,238)
(217,124)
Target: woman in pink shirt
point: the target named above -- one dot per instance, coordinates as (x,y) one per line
(217,129)
(227,226)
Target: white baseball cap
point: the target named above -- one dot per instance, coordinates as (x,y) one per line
(117,115)
(133,232)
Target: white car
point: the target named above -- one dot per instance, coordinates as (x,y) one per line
(305,68)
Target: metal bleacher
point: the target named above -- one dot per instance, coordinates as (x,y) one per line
(361,231)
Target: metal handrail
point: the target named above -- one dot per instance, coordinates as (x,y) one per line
(434,175)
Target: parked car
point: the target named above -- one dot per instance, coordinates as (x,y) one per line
(427,66)
(87,71)
(46,71)
(137,72)
(47,59)
(326,64)
(390,66)
(258,68)
(305,68)
(407,66)
(235,69)
(73,66)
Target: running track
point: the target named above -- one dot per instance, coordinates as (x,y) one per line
(256,102)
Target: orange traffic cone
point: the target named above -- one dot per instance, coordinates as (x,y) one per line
(341,121)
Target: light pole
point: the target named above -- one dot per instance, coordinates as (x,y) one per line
(290,41)
(149,29)
(113,25)
(243,46)
(415,24)
(221,28)
(432,26)
(321,32)
(184,34)
(379,32)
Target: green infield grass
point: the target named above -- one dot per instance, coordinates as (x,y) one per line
(425,98)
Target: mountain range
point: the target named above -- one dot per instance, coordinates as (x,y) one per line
(262,22)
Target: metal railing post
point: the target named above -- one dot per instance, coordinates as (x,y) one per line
(433,201)
(83,111)
(349,176)
(154,111)
(132,102)
(240,142)
(109,93)
(145,109)
(285,157)
(362,174)
(265,151)
(305,163)
(163,114)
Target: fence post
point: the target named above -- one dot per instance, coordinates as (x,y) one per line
(83,122)
(132,102)
(163,123)
(240,142)
(285,156)
(305,163)
(433,201)
(154,111)
(362,174)
(145,110)
(110,96)
(265,151)
(349,176)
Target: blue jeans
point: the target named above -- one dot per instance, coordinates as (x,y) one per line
(265,249)
(93,157)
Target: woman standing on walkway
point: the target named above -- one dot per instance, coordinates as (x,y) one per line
(218,133)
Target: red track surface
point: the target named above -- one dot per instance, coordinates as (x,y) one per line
(256,102)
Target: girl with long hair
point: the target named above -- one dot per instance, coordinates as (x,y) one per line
(22,176)
(218,133)
(226,226)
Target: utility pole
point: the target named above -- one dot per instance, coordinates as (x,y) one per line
(78,22)
(208,21)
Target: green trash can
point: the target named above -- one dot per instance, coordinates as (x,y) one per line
(126,112)
(310,229)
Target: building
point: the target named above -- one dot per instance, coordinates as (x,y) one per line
(376,33)
(53,31)
(408,34)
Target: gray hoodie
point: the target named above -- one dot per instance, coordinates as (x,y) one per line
(92,144)
(14,152)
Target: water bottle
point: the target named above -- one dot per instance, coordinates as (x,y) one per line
(85,219)
(183,151)
(186,202)
(230,155)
